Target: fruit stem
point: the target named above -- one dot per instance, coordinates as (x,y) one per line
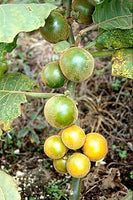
(68,8)
(68,16)
(71,88)
(76,187)
(84,31)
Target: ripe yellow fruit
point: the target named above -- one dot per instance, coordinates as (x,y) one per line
(73,137)
(54,147)
(78,165)
(95,146)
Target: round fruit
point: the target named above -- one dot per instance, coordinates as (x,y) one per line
(95,146)
(77,64)
(73,137)
(54,147)
(60,111)
(55,29)
(78,165)
(52,76)
(60,164)
(84,9)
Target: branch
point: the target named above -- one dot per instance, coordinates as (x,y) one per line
(32,94)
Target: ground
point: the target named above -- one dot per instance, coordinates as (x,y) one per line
(105,105)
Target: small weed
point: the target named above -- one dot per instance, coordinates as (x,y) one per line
(117,84)
(131,174)
(53,190)
(122,153)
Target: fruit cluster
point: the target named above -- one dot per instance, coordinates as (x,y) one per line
(84,148)
(56,27)
(71,150)
(75,64)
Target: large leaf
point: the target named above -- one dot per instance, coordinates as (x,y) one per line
(8,187)
(111,14)
(10,96)
(122,63)
(15,18)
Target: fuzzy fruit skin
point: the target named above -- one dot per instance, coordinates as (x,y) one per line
(54,147)
(52,75)
(77,64)
(78,165)
(95,146)
(60,164)
(85,9)
(55,29)
(60,111)
(73,137)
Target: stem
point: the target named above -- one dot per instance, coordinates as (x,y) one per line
(68,8)
(102,53)
(71,87)
(90,45)
(82,32)
(76,187)
(68,15)
(71,36)
(32,94)
(76,182)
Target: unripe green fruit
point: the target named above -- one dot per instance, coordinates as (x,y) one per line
(60,111)
(84,9)
(56,28)
(60,164)
(77,64)
(52,75)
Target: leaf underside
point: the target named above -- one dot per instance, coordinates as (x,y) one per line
(111,14)
(10,98)
(16,18)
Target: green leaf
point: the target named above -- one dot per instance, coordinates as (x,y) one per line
(16,18)
(4,48)
(8,187)
(111,14)
(35,138)
(24,132)
(61,46)
(8,47)
(122,63)
(11,85)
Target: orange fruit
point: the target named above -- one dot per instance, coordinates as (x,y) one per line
(95,146)
(73,137)
(78,165)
